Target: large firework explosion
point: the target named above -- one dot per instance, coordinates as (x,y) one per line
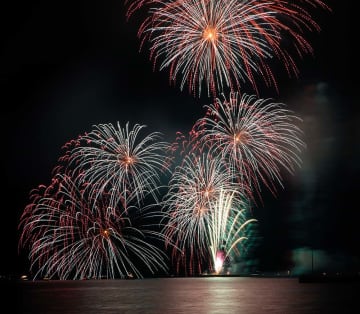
(218,44)
(95,219)
(119,161)
(194,188)
(70,236)
(258,138)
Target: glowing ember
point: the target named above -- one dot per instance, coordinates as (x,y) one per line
(219,261)
(210,33)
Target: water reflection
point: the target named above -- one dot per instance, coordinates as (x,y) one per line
(208,295)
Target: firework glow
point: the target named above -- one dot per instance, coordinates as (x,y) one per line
(227,229)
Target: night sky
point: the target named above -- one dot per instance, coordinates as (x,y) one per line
(68,65)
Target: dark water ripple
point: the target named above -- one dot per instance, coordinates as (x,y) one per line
(213,295)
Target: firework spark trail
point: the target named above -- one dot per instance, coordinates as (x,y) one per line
(132,6)
(193,188)
(257,136)
(120,162)
(225,43)
(227,226)
(70,238)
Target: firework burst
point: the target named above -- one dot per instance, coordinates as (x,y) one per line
(193,189)
(227,229)
(71,238)
(119,162)
(220,44)
(257,137)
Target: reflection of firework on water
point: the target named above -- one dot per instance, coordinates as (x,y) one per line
(118,161)
(225,43)
(256,136)
(193,189)
(71,238)
(227,229)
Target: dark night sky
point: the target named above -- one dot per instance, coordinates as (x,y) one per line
(66,66)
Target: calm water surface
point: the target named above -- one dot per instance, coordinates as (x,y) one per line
(241,295)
